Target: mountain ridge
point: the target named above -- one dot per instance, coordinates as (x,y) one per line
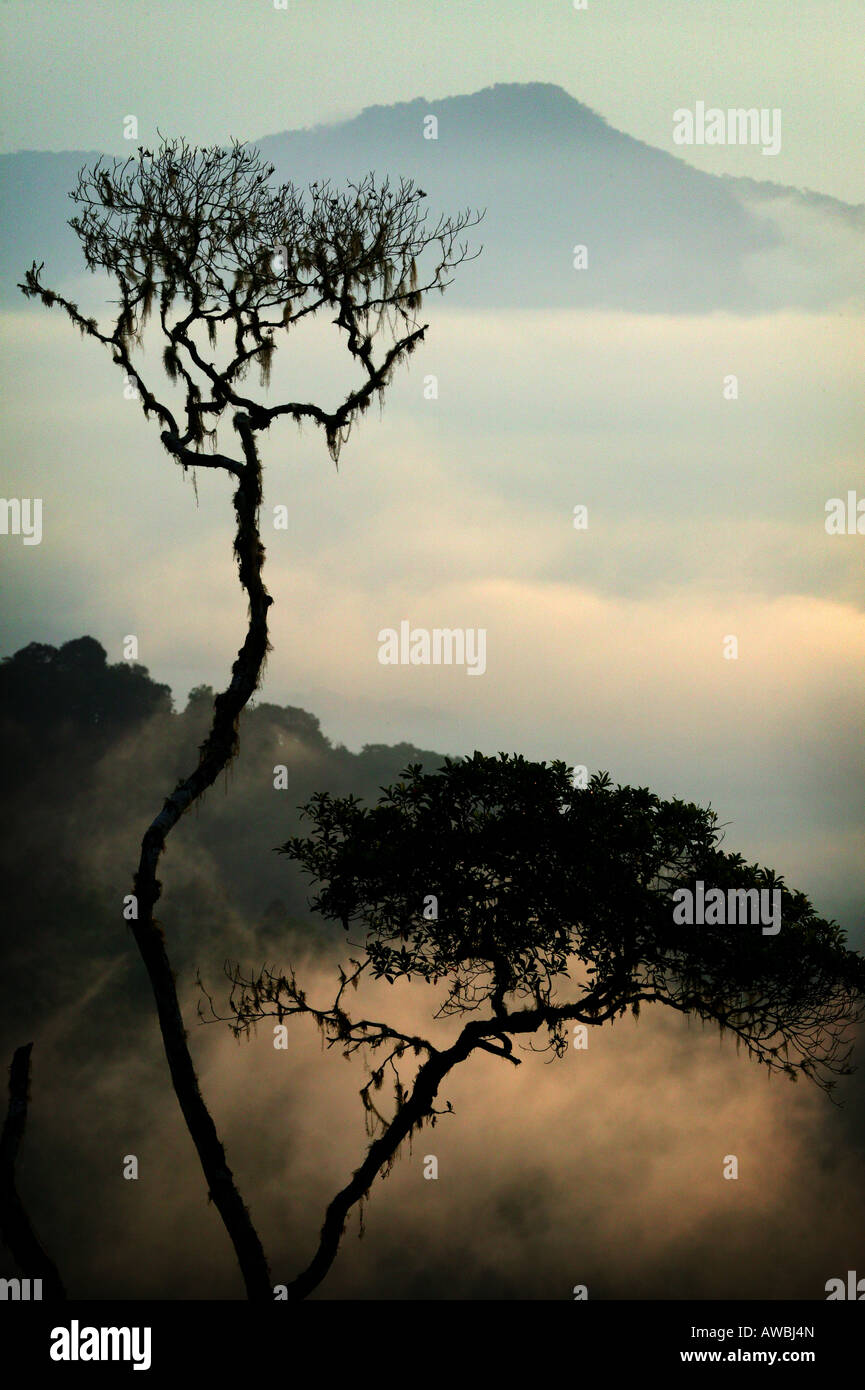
(552,174)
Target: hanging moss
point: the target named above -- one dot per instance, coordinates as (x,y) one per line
(171,362)
(265,359)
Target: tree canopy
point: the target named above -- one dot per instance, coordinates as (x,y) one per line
(538,882)
(532,903)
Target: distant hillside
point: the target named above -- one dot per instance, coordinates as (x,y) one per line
(89,753)
(551,174)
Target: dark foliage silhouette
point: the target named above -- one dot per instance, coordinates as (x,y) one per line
(532,904)
(67,697)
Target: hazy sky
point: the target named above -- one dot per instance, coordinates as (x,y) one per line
(605,646)
(210,69)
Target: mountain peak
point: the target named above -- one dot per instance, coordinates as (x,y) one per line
(534,102)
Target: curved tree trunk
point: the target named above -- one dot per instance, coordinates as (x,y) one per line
(218,749)
(18,1234)
(419,1106)
(381,1151)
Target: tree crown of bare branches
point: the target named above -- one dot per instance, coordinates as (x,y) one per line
(204,235)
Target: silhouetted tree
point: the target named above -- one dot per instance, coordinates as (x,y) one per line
(72,689)
(15,1227)
(228,262)
(534,904)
